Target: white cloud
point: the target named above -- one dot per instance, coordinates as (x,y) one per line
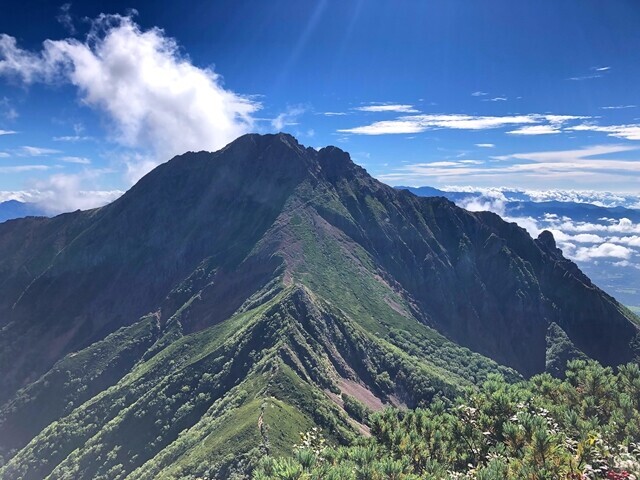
(288,118)
(629,132)
(64,192)
(64,18)
(7,132)
(78,136)
(624,225)
(37,151)
(561,236)
(626,263)
(599,73)
(568,155)
(388,108)
(585,77)
(155,99)
(560,119)
(71,138)
(492,202)
(485,145)
(495,99)
(631,241)
(76,160)
(7,111)
(604,250)
(535,130)
(587,238)
(421,123)
(545,167)
(334,114)
(137,165)
(24,168)
(479,94)
(595,197)
(387,127)
(618,107)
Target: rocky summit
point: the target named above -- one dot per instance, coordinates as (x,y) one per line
(230,300)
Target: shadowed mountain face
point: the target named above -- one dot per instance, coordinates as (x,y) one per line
(229,299)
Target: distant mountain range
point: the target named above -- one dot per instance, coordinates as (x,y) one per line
(15,209)
(231,300)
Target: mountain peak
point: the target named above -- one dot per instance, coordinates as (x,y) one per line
(266,140)
(259,283)
(546,238)
(283,150)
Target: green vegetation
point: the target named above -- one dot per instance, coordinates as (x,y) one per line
(232,300)
(356,409)
(584,427)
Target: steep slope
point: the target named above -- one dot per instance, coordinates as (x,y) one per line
(231,299)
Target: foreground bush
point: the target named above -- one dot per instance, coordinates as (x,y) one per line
(584,427)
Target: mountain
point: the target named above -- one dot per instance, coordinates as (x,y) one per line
(582,228)
(15,209)
(230,300)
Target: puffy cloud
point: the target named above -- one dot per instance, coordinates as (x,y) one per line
(155,98)
(632,241)
(604,250)
(624,225)
(66,192)
(561,236)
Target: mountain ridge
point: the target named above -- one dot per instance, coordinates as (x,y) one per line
(265,277)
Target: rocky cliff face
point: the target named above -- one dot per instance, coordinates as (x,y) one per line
(260,279)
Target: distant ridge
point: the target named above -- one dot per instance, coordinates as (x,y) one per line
(14,209)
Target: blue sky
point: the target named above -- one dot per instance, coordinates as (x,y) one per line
(531,95)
